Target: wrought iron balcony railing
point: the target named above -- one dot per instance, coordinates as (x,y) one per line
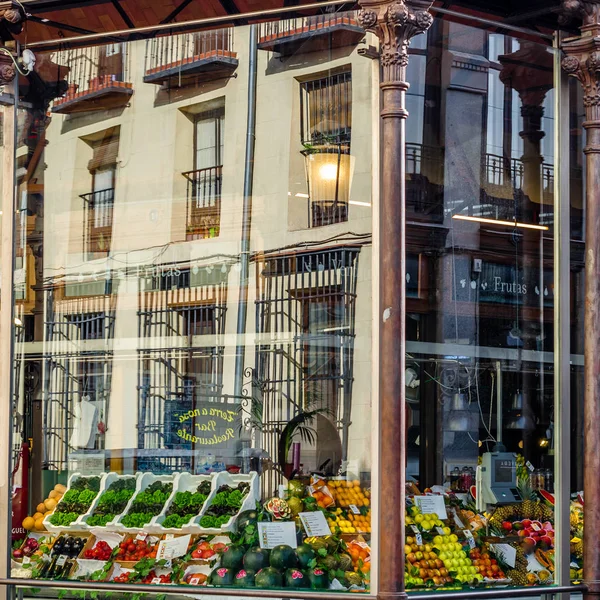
(328,212)
(98,221)
(199,56)
(203,202)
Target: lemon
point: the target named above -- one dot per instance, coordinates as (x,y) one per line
(28,523)
(426,525)
(419,518)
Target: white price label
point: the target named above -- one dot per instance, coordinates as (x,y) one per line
(140,537)
(530,466)
(155,580)
(418,535)
(62,559)
(440,530)
(194,580)
(169,536)
(457,521)
(470,538)
(354,509)
(26,560)
(535,527)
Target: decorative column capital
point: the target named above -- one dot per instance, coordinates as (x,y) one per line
(395,23)
(582,52)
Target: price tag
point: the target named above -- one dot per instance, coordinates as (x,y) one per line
(169,536)
(535,527)
(418,535)
(168,564)
(26,560)
(62,559)
(457,521)
(530,466)
(173,548)
(315,524)
(155,580)
(194,580)
(470,538)
(140,537)
(354,509)
(440,530)
(274,534)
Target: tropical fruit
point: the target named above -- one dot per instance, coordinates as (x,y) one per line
(283,557)
(256,559)
(232,558)
(295,578)
(222,576)
(305,554)
(244,578)
(248,517)
(318,579)
(268,578)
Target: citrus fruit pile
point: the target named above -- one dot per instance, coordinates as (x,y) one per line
(43,509)
(346,493)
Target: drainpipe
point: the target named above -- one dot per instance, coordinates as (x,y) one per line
(583,62)
(394,22)
(240,351)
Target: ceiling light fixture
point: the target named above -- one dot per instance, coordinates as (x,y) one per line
(499,222)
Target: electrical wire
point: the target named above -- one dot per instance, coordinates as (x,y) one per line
(8,53)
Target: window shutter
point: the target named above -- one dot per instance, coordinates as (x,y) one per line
(105,154)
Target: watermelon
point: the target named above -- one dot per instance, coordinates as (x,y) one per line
(256,559)
(222,576)
(318,579)
(244,578)
(305,554)
(283,557)
(268,578)
(473,490)
(248,517)
(232,558)
(547,497)
(295,578)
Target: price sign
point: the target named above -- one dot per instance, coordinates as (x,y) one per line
(26,560)
(535,527)
(155,580)
(530,466)
(470,538)
(418,535)
(506,552)
(140,537)
(62,559)
(194,580)
(354,509)
(274,534)
(173,548)
(432,504)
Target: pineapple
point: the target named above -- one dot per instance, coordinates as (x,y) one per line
(529,499)
(518,576)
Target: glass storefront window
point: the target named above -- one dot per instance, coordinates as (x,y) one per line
(194,301)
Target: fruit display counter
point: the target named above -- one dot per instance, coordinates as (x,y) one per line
(200,530)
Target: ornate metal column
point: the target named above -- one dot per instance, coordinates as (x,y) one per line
(583,62)
(394,22)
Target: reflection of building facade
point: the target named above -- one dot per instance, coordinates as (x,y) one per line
(143,196)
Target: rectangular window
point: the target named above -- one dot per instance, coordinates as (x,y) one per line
(326,124)
(205,181)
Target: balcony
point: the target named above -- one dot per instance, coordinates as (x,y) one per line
(190,58)
(310,34)
(98,79)
(328,212)
(98,222)
(203,203)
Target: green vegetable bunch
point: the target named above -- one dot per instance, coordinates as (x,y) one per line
(112,502)
(226,504)
(147,504)
(76,501)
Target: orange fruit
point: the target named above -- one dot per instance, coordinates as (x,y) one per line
(28,523)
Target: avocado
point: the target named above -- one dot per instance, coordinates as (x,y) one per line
(305,554)
(296,579)
(283,557)
(244,578)
(222,576)
(268,578)
(318,579)
(345,562)
(256,559)
(232,558)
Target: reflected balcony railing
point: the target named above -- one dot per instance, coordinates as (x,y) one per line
(190,57)
(424,181)
(328,212)
(98,221)
(203,202)
(310,34)
(99,78)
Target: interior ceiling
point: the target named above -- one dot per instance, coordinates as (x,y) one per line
(53,19)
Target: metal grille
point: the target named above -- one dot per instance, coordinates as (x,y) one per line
(77,366)
(93,69)
(181,364)
(305,319)
(167,52)
(326,110)
(97,222)
(204,202)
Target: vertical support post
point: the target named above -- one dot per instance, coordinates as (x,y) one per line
(583,62)
(394,22)
(562,326)
(7,187)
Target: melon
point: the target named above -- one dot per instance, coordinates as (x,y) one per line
(547,497)
(473,490)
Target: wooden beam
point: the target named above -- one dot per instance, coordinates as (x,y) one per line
(123,13)
(175,12)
